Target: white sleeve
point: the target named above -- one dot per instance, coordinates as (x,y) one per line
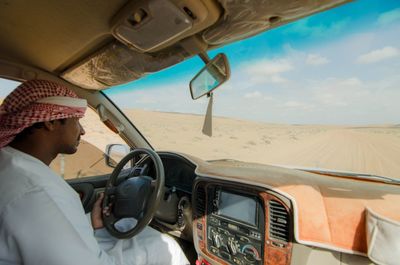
(45,236)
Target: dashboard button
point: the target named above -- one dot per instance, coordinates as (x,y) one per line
(232,246)
(237,261)
(217,240)
(233,227)
(244,239)
(225,255)
(214,250)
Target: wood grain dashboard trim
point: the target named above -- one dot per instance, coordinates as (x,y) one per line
(276,252)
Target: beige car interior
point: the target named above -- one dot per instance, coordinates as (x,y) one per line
(92,45)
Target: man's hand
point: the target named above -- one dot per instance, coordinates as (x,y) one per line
(97,221)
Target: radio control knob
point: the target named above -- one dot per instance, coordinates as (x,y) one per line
(250,253)
(215,202)
(216,240)
(232,247)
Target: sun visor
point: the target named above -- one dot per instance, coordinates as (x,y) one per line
(118,64)
(243,19)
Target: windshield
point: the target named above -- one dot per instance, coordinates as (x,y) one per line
(321,92)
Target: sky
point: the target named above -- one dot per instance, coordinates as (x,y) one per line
(340,66)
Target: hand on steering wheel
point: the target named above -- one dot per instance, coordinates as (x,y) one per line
(136,197)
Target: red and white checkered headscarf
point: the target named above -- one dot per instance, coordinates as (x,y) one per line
(37,101)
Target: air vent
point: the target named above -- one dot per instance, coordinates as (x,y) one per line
(200,201)
(278,221)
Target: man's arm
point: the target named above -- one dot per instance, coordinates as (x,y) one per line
(97,221)
(44,235)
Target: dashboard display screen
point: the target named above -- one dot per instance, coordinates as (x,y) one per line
(238,207)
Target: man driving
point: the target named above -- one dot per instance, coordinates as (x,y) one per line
(42,220)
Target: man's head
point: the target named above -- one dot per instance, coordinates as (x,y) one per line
(45,111)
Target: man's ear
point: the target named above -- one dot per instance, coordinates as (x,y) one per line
(49,125)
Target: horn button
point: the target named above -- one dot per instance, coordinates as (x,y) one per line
(131,197)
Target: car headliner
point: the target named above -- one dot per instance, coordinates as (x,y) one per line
(63,37)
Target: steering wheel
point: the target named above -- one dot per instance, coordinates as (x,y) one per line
(136,197)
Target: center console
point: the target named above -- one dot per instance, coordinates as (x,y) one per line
(240,224)
(235,225)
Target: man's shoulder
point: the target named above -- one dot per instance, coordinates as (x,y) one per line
(16,166)
(19,176)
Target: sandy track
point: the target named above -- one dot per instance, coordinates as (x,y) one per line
(356,150)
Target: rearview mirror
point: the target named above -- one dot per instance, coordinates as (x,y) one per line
(215,73)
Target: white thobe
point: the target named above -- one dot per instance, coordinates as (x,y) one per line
(42,222)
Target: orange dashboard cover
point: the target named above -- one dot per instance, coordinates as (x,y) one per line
(334,215)
(328,212)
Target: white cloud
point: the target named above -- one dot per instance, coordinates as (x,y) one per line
(338,92)
(255,94)
(297,105)
(277,79)
(269,98)
(316,59)
(268,71)
(378,55)
(292,104)
(389,17)
(269,67)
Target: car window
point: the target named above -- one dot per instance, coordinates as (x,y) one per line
(89,159)
(6,86)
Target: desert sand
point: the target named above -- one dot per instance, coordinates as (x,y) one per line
(373,149)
